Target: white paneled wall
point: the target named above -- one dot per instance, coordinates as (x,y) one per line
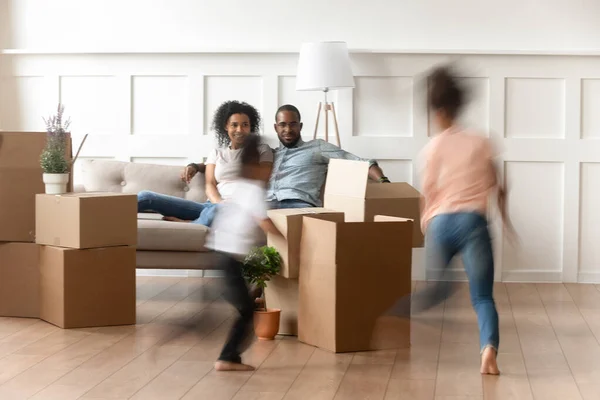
(541,111)
(189,25)
(590,121)
(589,255)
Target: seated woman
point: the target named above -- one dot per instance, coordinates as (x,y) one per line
(232,122)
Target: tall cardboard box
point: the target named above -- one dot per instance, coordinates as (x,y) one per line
(87,288)
(86,220)
(20,181)
(347,189)
(289,223)
(282,290)
(352,273)
(19,280)
(282,293)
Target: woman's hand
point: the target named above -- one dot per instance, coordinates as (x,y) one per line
(190,171)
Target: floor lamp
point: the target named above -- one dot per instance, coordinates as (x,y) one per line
(321,67)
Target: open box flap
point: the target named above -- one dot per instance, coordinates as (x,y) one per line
(347,178)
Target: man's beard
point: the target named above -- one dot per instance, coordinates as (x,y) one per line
(291,144)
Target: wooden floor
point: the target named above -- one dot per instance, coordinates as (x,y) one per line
(549,350)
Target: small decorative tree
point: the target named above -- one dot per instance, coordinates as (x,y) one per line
(53,159)
(260,265)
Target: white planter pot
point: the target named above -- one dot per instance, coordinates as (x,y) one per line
(56,183)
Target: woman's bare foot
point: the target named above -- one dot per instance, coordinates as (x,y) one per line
(230,366)
(488,362)
(174,219)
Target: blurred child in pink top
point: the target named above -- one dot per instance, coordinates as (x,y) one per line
(458,176)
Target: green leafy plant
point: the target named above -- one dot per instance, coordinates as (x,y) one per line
(53,159)
(260,265)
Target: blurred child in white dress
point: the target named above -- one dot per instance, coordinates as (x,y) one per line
(235,231)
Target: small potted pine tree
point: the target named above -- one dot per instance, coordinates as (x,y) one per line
(53,160)
(259,266)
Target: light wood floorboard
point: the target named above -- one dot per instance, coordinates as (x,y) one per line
(549,349)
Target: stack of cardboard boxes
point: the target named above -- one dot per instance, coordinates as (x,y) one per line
(20,181)
(346,265)
(87,261)
(68,259)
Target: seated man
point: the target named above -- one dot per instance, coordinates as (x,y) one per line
(299,167)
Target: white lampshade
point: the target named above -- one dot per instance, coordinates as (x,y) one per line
(324,65)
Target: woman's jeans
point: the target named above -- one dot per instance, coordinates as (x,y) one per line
(467,234)
(171,206)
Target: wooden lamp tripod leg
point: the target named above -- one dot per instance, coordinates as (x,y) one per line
(317,122)
(327,108)
(337,132)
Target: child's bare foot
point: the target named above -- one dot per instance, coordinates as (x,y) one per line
(488,362)
(231,366)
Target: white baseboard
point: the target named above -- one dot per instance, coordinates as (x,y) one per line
(508,276)
(450,275)
(458,275)
(162,272)
(588,277)
(213,273)
(529,276)
(180,273)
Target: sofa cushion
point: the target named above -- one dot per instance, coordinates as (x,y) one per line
(156,234)
(128,177)
(150,215)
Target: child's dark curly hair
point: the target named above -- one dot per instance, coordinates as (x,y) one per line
(226,110)
(446,92)
(251,153)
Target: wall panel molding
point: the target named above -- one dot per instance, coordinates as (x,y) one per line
(551,137)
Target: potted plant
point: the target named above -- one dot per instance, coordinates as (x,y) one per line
(259,266)
(53,160)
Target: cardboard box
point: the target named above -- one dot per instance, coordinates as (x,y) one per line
(282,293)
(19,280)
(86,220)
(20,181)
(347,189)
(351,274)
(87,288)
(289,223)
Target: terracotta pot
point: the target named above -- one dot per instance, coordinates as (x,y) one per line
(266,323)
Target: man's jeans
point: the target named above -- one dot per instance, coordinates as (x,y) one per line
(171,206)
(277,205)
(467,234)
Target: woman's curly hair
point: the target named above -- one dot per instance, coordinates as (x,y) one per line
(226,110)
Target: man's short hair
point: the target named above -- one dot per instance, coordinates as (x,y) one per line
(288,107)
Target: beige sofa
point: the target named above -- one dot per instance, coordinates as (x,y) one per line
(161,244)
